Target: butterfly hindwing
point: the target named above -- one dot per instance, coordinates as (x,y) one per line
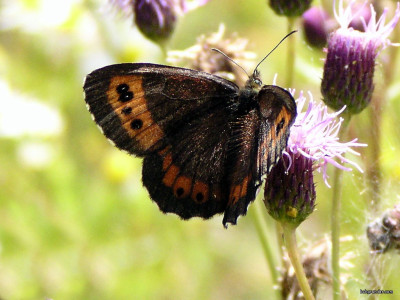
(188,178)
(258,138)
(242,174)
(278,109)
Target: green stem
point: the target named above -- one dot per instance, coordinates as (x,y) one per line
(289,233)
(290,59)
(373,166)
(279,238)
(260,222)
(336,203)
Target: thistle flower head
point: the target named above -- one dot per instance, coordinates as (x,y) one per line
(201,57)
(351,55)
(313,144)
(289,194)
(181,6)
(289,8)
(375,30)
(316,26)
(156,19)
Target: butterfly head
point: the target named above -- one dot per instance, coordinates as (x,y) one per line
(254,82)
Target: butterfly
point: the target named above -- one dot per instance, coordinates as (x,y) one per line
(206,143)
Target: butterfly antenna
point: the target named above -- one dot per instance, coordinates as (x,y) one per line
(230,59)
(286,36)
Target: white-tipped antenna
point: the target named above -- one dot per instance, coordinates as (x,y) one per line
(286,36)
(230,59)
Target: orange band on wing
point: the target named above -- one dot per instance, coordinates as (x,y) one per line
(182,187)
(200,192)
(170,175)
(239,191)
(127,98)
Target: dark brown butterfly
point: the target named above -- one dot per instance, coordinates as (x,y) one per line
(206,143)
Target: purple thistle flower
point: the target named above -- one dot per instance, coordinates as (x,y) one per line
(313,144)
(351,54)
(156,19)
(315,136)
(316,25)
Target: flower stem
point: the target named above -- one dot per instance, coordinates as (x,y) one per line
(335,219)
(290,58)
(289,233)
(260,222)
(373,165)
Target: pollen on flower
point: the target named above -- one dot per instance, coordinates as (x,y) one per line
(315,136)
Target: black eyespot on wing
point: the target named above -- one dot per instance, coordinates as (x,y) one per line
(199,196)
(122,88)
(136,124)
(180,191)
(126,110)
(156,180)
(126,96)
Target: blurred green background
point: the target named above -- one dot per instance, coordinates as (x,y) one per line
(75,221)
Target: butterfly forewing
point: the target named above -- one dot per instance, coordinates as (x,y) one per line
(139,107)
